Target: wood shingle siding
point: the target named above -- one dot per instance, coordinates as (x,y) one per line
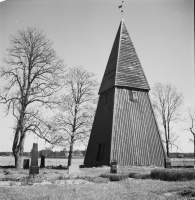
(124,126)
(102,129)
(135,136)
(123,67)
(129,71)
(108,80)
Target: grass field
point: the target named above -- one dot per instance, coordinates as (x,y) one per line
(86,186)
(9,160)
(182,162)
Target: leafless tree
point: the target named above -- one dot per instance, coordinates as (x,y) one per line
(33,75)
(167,103)
(191,126)
(76,111)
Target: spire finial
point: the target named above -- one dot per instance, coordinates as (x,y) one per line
(121,8)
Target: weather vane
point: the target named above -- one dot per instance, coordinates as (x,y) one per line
(121,8)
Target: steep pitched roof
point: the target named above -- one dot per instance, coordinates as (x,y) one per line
(123,67)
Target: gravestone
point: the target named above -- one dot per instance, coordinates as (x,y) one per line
(34,168)
(167,163)
(26,163)
(113,167)
(74,169)
(42,162)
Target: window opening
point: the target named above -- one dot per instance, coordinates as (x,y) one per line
(133,96)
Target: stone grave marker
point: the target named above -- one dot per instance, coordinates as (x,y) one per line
(74,169)
(34,168)
(26,163)
(113,167)
(167,163)
(42,162)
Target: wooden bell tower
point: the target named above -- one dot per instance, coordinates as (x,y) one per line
(124,126)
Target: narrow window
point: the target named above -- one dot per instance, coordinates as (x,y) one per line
(133,96)
(130,95)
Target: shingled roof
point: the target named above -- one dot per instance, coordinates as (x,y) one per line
(123,67)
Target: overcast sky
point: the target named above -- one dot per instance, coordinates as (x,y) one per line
(83,33)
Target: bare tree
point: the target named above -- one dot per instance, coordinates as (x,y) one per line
(77,108)
(191,126)
(167,103)
(33,75)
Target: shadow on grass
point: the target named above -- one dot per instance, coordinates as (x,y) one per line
(188,192)
(57,167)
(7,166)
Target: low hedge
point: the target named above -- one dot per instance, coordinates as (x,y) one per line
(161,174)
(139,175)
(173,174)
(114,177)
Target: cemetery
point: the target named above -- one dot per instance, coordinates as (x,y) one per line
(95,183)
(143,182)
(125,157)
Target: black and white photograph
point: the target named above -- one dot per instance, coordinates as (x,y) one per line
(97,99)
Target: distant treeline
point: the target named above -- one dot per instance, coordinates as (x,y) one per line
(49,153)
(80,153)
(181,155)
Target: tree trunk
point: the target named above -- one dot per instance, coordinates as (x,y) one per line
(167,147)
(167,143)
(15,149)
(18,160)
(18,147)
(70,152)
(166,136)
(194,151)
(18,152)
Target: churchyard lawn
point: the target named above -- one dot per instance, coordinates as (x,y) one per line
(58,184)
